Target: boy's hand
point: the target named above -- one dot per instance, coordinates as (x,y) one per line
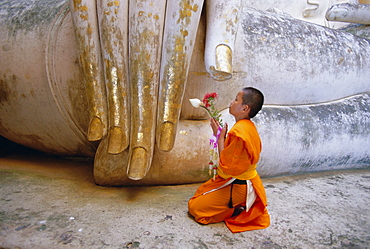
(215,125)
(224,131)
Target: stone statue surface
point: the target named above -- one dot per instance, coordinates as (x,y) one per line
(111,80)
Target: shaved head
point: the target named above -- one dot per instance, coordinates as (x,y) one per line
(254,99)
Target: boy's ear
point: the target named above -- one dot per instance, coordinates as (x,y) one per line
(246,110)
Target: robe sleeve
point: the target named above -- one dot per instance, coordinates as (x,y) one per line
(235,157)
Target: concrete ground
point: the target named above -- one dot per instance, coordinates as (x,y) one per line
(48,202)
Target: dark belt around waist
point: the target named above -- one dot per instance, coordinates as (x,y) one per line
(237,181)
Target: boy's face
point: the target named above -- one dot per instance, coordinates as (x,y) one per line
(236,107)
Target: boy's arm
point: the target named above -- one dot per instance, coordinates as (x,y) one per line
(235,157)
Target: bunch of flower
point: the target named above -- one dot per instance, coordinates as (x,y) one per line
(208,104)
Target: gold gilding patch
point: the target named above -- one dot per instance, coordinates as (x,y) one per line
(186,11)
(184,32)
(89,30)
(183,132)
(76,3)
(223,59)
(83,16)
(83,8)
(195,7)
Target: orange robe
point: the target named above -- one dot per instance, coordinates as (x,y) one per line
(238,159)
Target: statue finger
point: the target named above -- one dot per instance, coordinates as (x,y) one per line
(182,21)
(145,37)
(222,25)
(113,23)
(84,18)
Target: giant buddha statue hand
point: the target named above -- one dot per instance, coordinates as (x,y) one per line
(135,54)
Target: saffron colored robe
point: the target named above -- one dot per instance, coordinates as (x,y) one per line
(238,159)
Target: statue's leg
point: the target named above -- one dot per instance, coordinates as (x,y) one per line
(181,26)
(113,23)
(222,26)
(146,21)
(87,35)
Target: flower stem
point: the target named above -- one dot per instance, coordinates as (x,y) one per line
(208,111)
(210,114)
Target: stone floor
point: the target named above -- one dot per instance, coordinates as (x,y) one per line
(49,202)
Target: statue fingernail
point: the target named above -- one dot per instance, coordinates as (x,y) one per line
(96,129)
(166,136)
(138,164)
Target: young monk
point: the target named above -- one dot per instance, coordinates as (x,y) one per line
(237,195)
